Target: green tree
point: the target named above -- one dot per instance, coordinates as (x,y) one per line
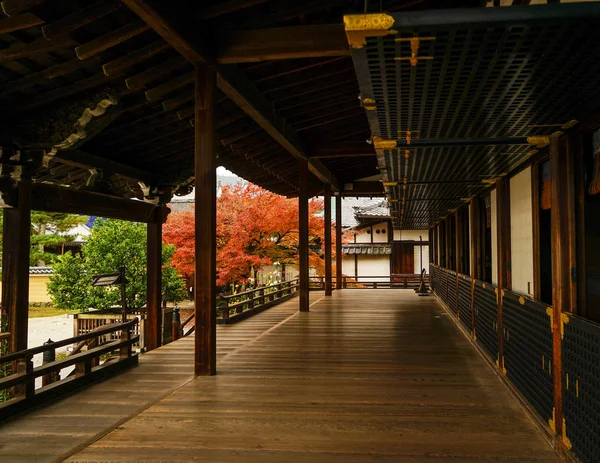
(49,230)
(112,244)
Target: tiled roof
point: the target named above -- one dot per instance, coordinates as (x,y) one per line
(378,209)
(373,249)
(352,208)
(40,270)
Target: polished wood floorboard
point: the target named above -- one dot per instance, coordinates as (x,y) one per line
(366,376)
(57,430)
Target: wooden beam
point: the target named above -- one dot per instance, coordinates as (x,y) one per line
(154,282)
(138,81)
(314,41)
(15,267)
(365,189)
(113,38)
(343,149)
(80,18)
(16,23)
(164,23)
(45,76)
(226,7)
(120,64)
(78,158)
(158,92)
(205,222)
(20,50)
(338,242)
(14,7)
(52,198)
(246,95)
(303,234)
(327,217)
(232,81)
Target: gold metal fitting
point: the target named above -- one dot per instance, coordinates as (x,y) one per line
(390,183)
(369,104)
(360,26)
(383,144)
(540,141)
(415,43)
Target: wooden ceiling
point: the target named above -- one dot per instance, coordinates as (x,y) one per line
(457,97)
(105,88)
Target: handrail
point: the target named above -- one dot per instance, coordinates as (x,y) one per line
(87,366)
(65,342)
(262,288)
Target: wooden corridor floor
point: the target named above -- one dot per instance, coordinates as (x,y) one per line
(367,375)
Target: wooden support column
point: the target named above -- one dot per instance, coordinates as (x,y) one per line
(15,267)
(328,275)
(458,222)
(205,222)
(432,245)
(475,245)
(448,242)
(577,156)
(504,274)
(153,337)
(503,225)
(303,233)
(338,241)
(535,207)
(561,271)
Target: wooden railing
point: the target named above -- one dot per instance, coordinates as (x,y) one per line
(372,282)
(241,305)
(256,298)
(116,339)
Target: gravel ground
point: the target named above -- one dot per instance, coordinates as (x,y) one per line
(44,328)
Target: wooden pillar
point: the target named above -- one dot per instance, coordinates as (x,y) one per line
(535,208)
(475,242)
(459,241)
(503,226)
(205,221)
(15,267)
(561,271)
(432,245)
(448,241)
(503,246)
(338,241)
(303,233)
(153,337)
(577,155)
(327,213)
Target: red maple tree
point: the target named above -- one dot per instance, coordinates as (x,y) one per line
(254,228)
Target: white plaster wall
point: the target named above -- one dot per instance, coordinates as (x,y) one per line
(521,232)
(410,235)
(363,236)
(425,259)
(373,265)
(494,239)
(348,265)
(382,236)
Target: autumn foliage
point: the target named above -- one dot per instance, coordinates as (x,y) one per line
(254,228)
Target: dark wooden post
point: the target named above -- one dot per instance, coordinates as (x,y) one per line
(448,242)
(328,274)
(15,267)
(504,274)
(475,246)
(338,241)
(153,337)
(303,233)
(561,265)
(503,225)
(205,222)
(458,222)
